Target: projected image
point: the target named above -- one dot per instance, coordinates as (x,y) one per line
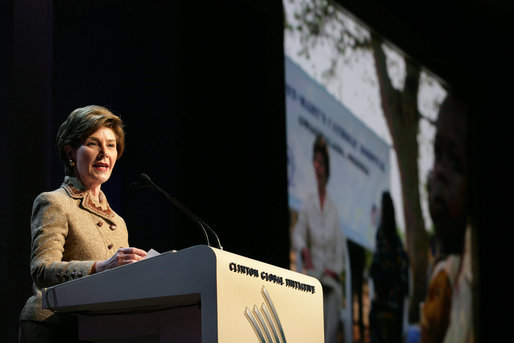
(389,127)
(359,159)
(337,169)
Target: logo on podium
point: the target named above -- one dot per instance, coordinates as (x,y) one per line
(265,322)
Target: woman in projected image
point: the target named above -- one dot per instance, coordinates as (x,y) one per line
(319,239)
(74,231)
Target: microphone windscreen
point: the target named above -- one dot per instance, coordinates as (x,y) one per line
(146,177)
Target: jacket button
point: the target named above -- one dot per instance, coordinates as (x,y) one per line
(110,246)
(112,227)
(100,223)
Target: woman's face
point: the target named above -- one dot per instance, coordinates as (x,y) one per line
(95,158)
(319,169)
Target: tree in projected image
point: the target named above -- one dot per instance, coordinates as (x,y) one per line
(318,23)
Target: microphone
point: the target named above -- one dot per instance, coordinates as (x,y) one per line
(146,182)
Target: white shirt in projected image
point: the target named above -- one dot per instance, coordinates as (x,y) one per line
(321,232)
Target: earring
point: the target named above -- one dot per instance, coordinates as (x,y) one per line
(72,163)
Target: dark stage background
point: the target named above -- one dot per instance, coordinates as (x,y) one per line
(200,87)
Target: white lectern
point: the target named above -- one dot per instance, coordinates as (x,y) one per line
(199,294)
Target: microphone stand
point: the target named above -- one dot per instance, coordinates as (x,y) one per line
(148,183)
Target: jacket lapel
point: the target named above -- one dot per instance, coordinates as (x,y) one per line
(75,190)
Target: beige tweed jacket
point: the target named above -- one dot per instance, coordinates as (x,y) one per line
(70,231)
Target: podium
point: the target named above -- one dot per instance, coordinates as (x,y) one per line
(198,294)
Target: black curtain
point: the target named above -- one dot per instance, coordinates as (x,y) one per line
(200,87)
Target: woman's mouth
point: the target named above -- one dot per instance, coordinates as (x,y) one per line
(101,166)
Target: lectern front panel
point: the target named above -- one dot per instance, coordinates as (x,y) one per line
(259,302)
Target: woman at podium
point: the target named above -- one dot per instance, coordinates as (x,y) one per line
(74,231)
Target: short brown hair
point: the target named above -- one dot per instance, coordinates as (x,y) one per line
(81,123)
(320,145)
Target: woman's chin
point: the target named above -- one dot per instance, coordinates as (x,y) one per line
(97,179)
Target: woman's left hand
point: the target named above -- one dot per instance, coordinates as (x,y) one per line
(121,257)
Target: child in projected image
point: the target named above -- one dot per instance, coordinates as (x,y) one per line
(446,313)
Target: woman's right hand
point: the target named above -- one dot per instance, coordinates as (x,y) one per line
(121,257)
(307,259)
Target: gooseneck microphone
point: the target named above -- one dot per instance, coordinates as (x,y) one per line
(146,182)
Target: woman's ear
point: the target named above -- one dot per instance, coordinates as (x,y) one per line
(70,152)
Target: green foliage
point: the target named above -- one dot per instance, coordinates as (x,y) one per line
(321,22)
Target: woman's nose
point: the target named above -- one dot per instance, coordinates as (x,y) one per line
(101,150)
